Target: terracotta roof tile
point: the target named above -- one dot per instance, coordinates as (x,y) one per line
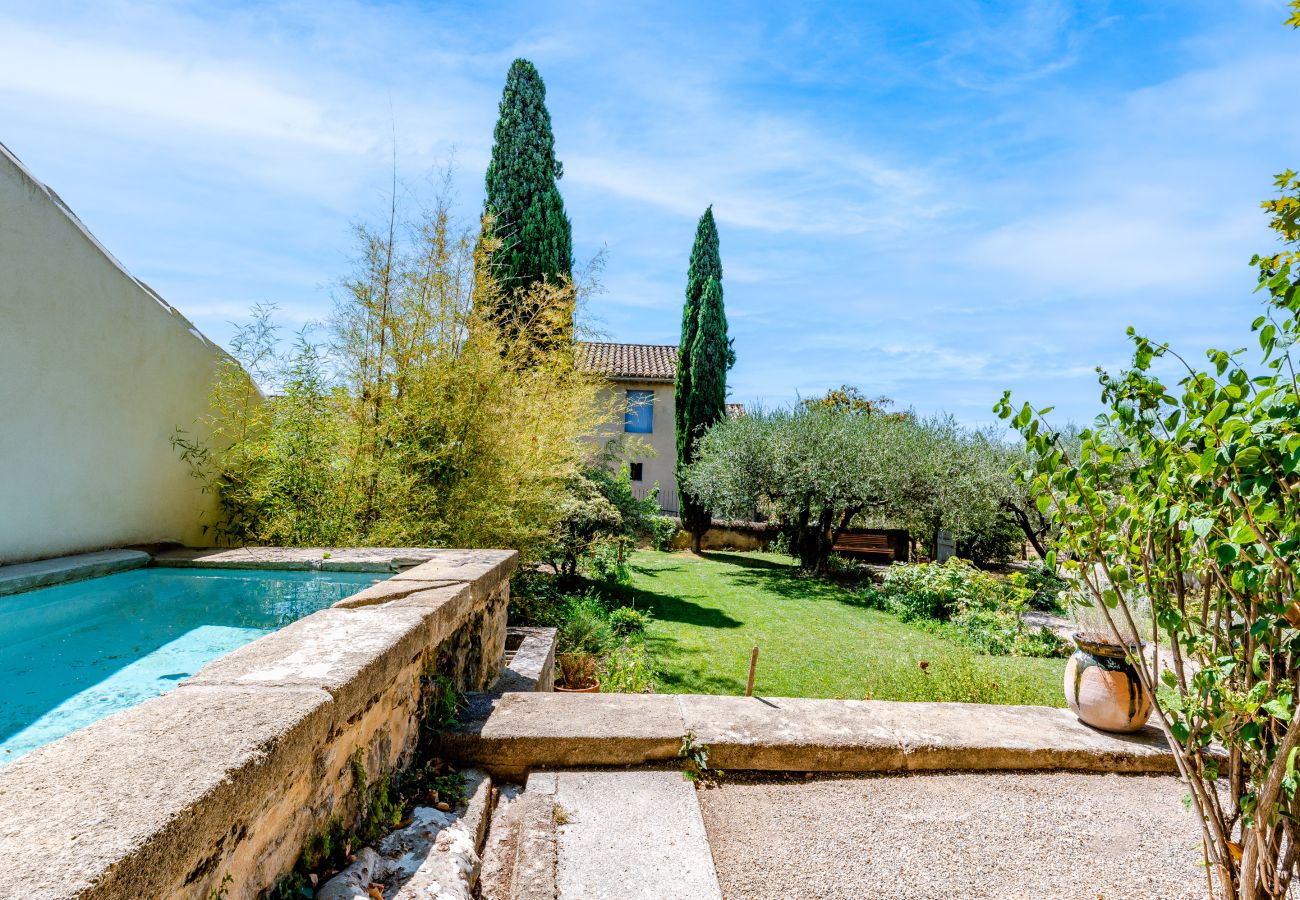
(642,362)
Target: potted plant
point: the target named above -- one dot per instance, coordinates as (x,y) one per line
(1102,685)
(578,674)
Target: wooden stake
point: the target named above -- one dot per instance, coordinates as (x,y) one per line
(753,665)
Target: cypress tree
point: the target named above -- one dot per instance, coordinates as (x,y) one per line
(522,196)
(703,358)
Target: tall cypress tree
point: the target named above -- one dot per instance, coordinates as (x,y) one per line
(522,196)
(703,358)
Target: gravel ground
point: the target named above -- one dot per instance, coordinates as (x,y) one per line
(1003,835)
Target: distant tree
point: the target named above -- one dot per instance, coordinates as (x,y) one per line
(847,398)
(523,212)
(704,356)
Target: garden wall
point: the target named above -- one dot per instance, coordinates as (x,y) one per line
(218,784)
(96,372)
(723,535)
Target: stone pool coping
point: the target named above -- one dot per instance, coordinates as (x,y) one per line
(20,577)
(231,772)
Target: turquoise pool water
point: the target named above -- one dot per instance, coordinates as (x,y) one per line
(74,653)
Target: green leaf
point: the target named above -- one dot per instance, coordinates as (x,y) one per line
(1201,527)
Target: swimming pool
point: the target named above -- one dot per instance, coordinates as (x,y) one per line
(74,653)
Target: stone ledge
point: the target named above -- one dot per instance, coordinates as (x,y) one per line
(326,559)
(521,731)
(532,667)
(231,772)
(28,576)
(108,808)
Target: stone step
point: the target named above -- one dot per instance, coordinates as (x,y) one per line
(623,835)
(518,732)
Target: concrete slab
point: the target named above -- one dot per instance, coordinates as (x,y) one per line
(350,653)
(530,665)
(630,835)
(463,565)
(514,733)
(130,800)
(61,570)
(388,590)
(540,730)
(342,559)
(782,733)
(952,736)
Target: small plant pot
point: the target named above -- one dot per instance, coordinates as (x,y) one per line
(593,688)
(1103,688)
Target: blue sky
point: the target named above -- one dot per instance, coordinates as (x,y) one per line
(932,201)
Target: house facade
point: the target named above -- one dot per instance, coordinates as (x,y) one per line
(643,377)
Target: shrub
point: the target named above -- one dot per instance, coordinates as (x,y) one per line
(977,608)
(578,670)
(993,542)
(604,564)
(663,531)
(939,590)
(625,620)
(584,627)
(1045,584)
(628,670)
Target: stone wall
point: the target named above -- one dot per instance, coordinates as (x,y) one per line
(723,535)
(220,782)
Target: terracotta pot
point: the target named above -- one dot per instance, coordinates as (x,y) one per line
(593,688)
(1103,688)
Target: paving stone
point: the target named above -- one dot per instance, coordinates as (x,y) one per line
(61,570)
(630,835)
(541,730)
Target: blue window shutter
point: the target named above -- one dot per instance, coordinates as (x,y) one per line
(640,415)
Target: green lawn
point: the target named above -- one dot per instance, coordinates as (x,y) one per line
(814,639)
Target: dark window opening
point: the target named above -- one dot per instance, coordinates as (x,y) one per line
(636,471)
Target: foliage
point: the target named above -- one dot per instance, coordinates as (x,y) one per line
(992,540)
(816,638)
(847,399)
(584,626)
(606,564)
(416,423)
(703,358)
(628,669)
(1046,586)
(1202,528)
(626,620)
(663,532)
(578,670)
(979,609)
(524,212)
(600,513)
(695,757)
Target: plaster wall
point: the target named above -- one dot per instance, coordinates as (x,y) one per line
(96,372)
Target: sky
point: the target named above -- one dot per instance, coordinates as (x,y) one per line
(932,201)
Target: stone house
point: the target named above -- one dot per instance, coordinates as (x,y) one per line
(644,375)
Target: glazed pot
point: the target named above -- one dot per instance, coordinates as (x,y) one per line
(593,688)
(1103,688)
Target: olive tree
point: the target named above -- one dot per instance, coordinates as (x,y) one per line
(815,469)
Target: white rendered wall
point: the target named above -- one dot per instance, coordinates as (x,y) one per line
(96,372)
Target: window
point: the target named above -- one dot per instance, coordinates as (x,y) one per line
(639,418)
(637,474)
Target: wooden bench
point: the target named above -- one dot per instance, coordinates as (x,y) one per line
(871,545)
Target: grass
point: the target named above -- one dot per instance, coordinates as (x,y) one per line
(814,638)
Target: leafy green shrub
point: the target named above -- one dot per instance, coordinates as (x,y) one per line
(604,564)
(940,590)
(584,627)
(977,608)
(628,670)
(1045,584)
(663,531)
(625,620)
(992,542)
